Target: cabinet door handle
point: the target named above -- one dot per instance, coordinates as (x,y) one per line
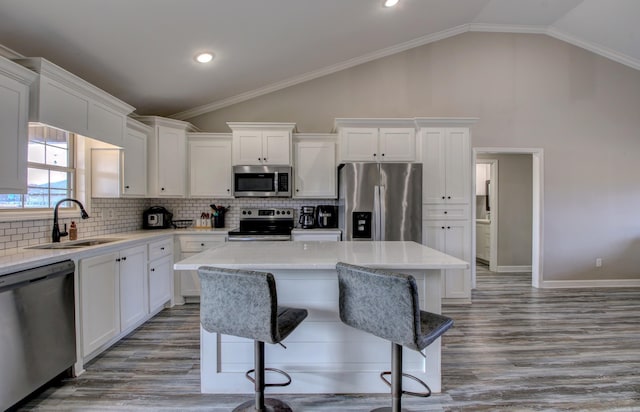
(161,248)
(374,155)
(382,154)
(448,227)
(259,159)
(153,269)
(126,187)
(118,260)
(228,190)
(201,244)
(448,197)
(124,258)
(443,227)
(443,197)
(445,212)
(162,189)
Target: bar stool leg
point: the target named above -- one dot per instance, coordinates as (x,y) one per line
(396,381)
(259,374)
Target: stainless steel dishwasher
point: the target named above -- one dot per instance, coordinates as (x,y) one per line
(37,329)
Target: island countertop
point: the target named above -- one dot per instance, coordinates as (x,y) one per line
(321,255)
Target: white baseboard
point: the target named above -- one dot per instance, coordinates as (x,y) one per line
(513,269)
(599,283)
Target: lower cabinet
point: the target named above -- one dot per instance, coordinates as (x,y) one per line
(119,291)
(160,282)
(189,246)
(99,301)
(451,237)
(112,295)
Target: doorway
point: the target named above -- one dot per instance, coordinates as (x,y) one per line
(485,155)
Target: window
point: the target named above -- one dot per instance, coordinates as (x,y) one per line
(50,173)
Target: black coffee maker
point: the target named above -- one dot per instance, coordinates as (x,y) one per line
(327,216)
(307,219)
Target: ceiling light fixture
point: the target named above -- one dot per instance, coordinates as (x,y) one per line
(390,3)
(204,57)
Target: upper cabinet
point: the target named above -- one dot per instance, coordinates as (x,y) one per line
(166,156)
(447,162)
(261,143)
(315,172)
(209,159)
(14,111)
(376,140)
(122,173)
(65,101)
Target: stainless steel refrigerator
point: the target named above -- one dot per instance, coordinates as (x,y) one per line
(380,201)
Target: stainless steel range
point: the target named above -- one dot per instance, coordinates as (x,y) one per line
(263,225)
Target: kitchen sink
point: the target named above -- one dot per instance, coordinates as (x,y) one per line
(75,244)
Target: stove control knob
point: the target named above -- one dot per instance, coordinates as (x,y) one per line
(288,212)
(249,212)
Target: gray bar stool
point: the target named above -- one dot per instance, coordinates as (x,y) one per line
(386,305)
(245,304)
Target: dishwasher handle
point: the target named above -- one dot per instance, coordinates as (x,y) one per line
(17,279)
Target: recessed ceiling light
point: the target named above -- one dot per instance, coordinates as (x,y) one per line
(204,57)
(390,3)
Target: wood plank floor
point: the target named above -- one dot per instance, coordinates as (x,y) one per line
(514,348)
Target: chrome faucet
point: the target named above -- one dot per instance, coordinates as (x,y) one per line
(56,234)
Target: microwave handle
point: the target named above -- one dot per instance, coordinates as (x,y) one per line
(275,182)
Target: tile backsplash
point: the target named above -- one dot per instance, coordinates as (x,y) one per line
(109,216)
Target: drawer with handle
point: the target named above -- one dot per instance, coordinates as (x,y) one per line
(160,248)
(200,243)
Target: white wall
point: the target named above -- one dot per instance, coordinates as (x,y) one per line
(528,91)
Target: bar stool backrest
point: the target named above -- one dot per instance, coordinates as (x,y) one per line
(382,303)
(239,303)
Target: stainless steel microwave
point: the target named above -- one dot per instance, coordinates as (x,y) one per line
(262,181)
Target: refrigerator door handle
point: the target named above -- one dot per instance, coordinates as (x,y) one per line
(383,212)
(376,213)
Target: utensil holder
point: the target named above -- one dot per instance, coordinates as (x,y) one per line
(218,221)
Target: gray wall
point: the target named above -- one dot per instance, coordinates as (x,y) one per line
(528,91)
(514,208)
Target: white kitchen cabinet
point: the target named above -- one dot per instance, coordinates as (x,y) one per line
(453,238)
(446,165)
(133,286)
(121,172)
(189,246)
(113,295)
(160,273)
(315,173)
(134,163)
(384,144)
(261,143)
(65,101)
(14,115)
(376,140)
(99,301)
(166,156)
(209,159)
(322,235)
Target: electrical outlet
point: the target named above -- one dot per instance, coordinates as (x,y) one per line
(598,262)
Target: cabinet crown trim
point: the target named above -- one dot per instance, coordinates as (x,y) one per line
(263,126)
(49,70)
(374,122)
(445,121)
(16,72)
(163,121)
(139,126)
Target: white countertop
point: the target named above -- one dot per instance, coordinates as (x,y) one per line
(17,259)
(321,255)
(483,221)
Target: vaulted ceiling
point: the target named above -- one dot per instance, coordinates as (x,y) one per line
(142,51)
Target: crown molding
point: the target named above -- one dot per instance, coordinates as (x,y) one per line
(431,38)
(219,104)
(594,48)
(8,53)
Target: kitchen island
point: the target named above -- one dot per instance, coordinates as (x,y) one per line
(322,355)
